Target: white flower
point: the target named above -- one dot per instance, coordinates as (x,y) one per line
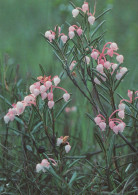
(67,148)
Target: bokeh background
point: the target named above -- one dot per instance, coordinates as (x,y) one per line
(21,23)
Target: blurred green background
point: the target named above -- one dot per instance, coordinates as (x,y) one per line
(22,21)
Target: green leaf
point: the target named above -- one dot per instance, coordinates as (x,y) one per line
(73,178)
(103,14)
(42,69)
(61,110)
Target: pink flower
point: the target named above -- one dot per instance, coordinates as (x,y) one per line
(66,97)
(118,76)
(99,68)
(102,126)
(120,58)
(42,89)
(71,34)
(114,66)
(110,52)
(130,93)
(121,106)
(114,46)
(56,80)
(75,13)
(97,81)
(72,65)
(111,124)
(71,28)
(91,20)
(20,108)
(59,141)
(51,104)
(36,92)
(94,55)
(47,33)
(121,127)
(79,31)
(44,95)
(67,148)
(123,70)
(48,84)
(85,7)
(121,114)
(64,38)
(6,119)
(39,168)
(32,87)
(87,60)
(97,120)
(107,65)
(115,129)
(50,96)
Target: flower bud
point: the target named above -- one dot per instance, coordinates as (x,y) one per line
(99,68)
(32,87)
(97,120)
(91,19)
(115,129)
(87,60)
(110,52)
(114,66)
(71,34)
(94,55)
(121,127)
(42,89)
(118,76)
(20,107)
(97,81)
(66,97)
(56,80)
(71,28)
(67,148)
(6,119)
(79,31)
(64,38)
(121,114)
(123,70)
(51,104)
(48,84)
(75,12)
(59,141)
(107,65)
(39,168)
(121,106)
(47,33)
(114,46)
(130,93)
(50,96)
(120,58)
(44,95)
(85,7)
(102,126)
(36,92)
(111,124)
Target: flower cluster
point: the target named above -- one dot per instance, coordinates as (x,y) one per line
(103,64)
(45,164)
(100,121)
(62,141)
(85,10)
(43,87)
(116,124)
(18,109)
(51,35)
